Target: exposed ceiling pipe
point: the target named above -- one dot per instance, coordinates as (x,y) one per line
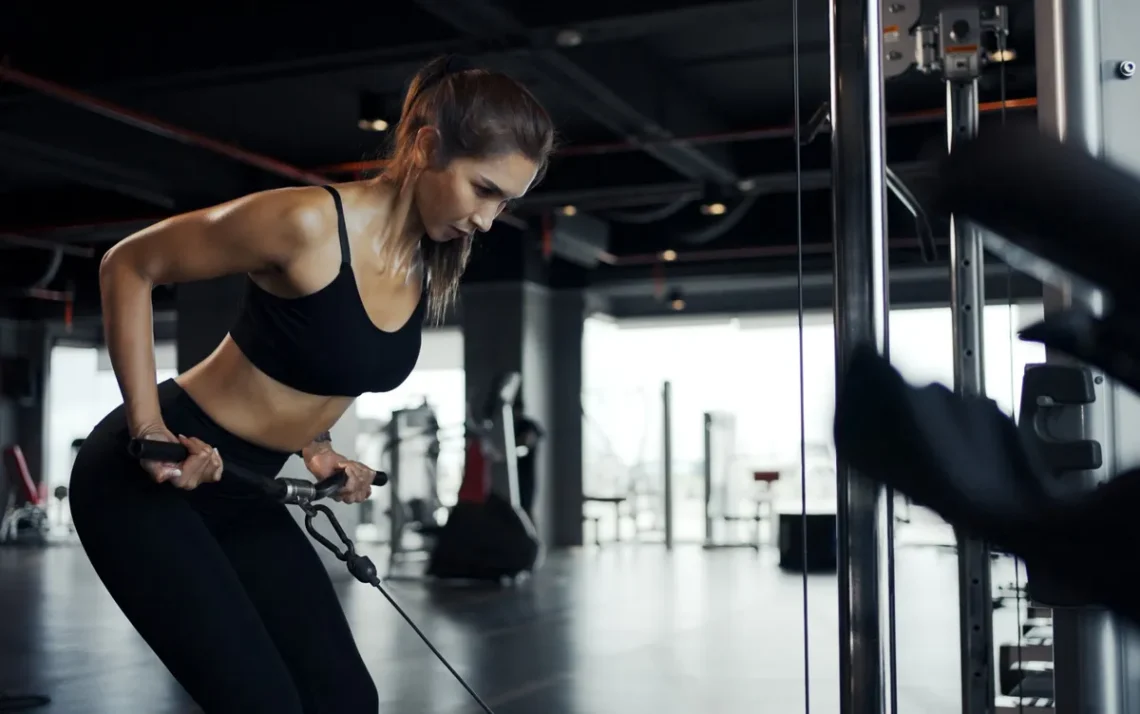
(65,296)
(38,289)
(715,230)
(157,126)
(653,215)
(41,244)
(782,131)
(170,131)
(769,251)
(50,271)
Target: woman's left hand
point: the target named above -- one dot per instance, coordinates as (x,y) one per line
(359,485)
(357,488)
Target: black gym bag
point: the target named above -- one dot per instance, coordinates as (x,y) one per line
(491,540)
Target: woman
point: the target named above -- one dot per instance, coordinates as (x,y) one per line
(224,586)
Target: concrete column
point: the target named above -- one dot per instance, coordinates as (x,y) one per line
(563,454)
(524,327)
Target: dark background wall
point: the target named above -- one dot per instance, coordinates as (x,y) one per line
(23,353)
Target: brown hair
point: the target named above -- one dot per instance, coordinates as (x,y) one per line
(478,113)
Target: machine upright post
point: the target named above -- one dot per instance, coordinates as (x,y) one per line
(959,55)
(709,536)
(967,305)
(395,503)
(1093,649)
(667,459)
(858,164)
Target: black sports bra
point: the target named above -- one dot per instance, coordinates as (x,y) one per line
(325,343)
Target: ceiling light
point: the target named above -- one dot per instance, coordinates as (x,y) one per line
(678,304)
(373,124)
(568,38)
(668,255)
(568,210)
(374,108)
(713,209)
(1006,55)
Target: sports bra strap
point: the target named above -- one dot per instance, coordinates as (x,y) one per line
(341,227)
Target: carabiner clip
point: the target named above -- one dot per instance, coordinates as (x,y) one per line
(311,512)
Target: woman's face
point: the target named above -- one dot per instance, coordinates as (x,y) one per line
(469,194)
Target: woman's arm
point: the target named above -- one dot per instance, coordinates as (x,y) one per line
(320,446)
(258,233)
(322,461)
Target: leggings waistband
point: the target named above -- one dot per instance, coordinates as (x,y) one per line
(184,416)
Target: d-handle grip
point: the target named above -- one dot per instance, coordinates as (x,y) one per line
(150,450)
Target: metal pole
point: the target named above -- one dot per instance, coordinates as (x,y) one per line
(708,480)
(511,453)
(967,302)
(667,459)
(859,210)
(1088,642)
(395,505)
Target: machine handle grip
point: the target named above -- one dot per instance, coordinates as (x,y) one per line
(151,450)
(329,487)
(285,489)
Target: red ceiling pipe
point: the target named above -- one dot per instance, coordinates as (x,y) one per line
(782,131)
(185,136)
(64,296)
(776,132)
(157,126)
(91,224)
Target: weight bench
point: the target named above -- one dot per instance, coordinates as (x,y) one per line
(25,504)
(616,502)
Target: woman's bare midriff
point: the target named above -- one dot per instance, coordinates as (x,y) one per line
(249,404)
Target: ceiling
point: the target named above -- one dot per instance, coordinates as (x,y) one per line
(663,108)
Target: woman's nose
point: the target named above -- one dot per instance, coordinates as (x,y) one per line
(485,218)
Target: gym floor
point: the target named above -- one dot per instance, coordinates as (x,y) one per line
(624,628)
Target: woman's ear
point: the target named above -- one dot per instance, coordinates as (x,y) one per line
(426,149)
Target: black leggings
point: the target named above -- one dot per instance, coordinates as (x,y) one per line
(224,586)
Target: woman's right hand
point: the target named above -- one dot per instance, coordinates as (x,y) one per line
(203,465)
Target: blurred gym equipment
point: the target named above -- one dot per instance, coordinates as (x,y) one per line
(25,519)
(723,494)
(414,507)
(492,539)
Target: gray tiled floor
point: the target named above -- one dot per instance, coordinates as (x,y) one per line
(622,629)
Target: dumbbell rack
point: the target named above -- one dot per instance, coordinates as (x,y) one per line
(1025,668)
